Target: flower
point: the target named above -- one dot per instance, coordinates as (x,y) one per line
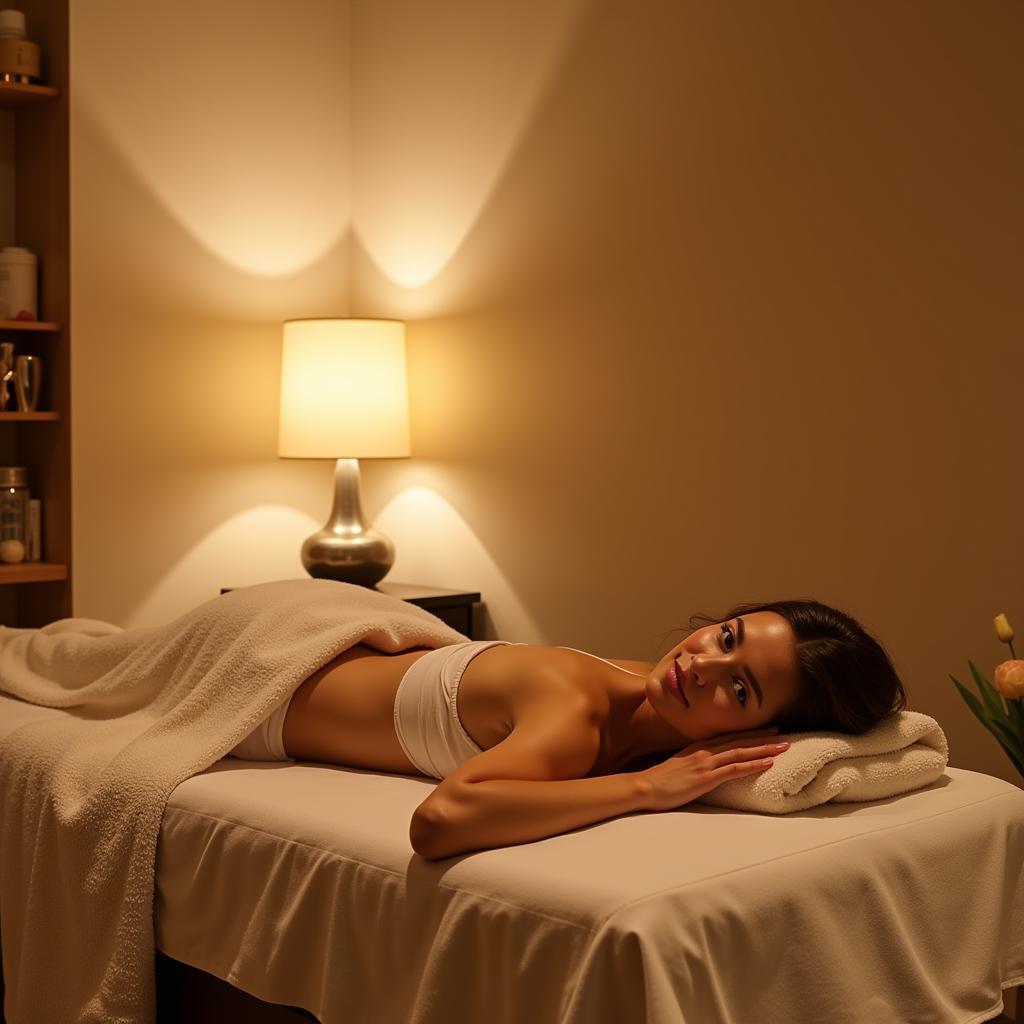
(1001,706)
(1003,629)
(1009,679)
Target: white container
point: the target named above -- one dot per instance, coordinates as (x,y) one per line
(19,273)
(12,24)
(19,59)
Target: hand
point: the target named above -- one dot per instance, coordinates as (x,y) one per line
(701,766)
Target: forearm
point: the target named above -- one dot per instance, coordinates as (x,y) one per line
(502,812)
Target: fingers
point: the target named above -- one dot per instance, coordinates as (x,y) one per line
(740,768)
(735,770)
(743,744)
(752,752)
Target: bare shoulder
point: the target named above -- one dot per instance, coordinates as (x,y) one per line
(533,676)
(555,712)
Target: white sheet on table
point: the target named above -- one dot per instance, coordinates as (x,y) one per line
(297,883)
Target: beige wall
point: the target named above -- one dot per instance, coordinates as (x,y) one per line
(707,303)
(738,317)
(210,201)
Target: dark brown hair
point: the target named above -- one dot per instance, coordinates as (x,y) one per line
(847,682)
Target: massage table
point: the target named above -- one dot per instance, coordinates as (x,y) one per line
(296,885)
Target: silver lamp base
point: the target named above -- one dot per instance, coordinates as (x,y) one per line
(347,549)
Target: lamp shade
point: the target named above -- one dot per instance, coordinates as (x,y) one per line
(343,390)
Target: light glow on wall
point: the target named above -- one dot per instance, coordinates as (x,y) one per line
(434,542)
(254,176)
(439,106)
(258,544)
(402,140)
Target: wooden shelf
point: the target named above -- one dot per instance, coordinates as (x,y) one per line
(28,325)
(35,192)
(16,94)
(32,572)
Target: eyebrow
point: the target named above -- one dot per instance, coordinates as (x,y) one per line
(750,675)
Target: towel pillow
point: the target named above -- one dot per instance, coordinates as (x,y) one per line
(907,750)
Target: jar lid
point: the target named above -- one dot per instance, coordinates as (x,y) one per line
(13,476)
(12,23)
(16,254)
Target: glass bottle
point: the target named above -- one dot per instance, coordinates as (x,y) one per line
(13,503)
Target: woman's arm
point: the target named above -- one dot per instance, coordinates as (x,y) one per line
(477,814)
(501,812)
(533,783)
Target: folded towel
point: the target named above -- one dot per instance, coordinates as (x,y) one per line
(83,791)
(906,750)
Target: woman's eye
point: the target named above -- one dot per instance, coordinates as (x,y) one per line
(727,635)
(741,693)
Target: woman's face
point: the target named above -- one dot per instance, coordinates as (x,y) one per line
(734,676)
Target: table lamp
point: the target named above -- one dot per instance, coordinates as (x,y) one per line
(344,396)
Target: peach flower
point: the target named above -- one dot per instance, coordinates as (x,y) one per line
(1010,679)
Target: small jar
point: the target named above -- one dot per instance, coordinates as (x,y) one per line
(19,282)
(13,503)
(19,59)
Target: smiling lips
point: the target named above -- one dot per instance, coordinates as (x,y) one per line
(675,682)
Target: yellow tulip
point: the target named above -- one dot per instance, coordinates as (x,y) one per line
(1003,629)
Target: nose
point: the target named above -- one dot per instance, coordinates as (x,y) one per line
(702,666)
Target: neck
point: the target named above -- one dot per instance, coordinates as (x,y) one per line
(635,730)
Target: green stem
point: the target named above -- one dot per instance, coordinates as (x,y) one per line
(1013,653)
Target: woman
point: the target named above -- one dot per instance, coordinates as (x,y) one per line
(531,740)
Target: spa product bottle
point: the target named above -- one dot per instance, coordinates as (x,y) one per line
(28,378)
(35,530)
(19,282)
(19,59)
(13,503)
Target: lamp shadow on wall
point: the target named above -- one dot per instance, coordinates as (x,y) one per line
(242,549)
(144,253)
(436,526)
(246,165)
(210,295)
(175,392)
(192,355)
(431,529)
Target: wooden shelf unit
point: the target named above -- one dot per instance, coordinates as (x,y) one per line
(36,118)
(18,94)
(33,572)
(28,325)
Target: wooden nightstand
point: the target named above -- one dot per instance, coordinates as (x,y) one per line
(453,607)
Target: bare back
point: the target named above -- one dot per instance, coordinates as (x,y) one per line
(344,713)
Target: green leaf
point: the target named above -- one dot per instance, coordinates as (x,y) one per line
(1017,714)
(975,705)
(1004,729)
(1018,763)
(991,696)
(998,726)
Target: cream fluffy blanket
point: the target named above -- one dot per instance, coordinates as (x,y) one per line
(906,750)
(82,795)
